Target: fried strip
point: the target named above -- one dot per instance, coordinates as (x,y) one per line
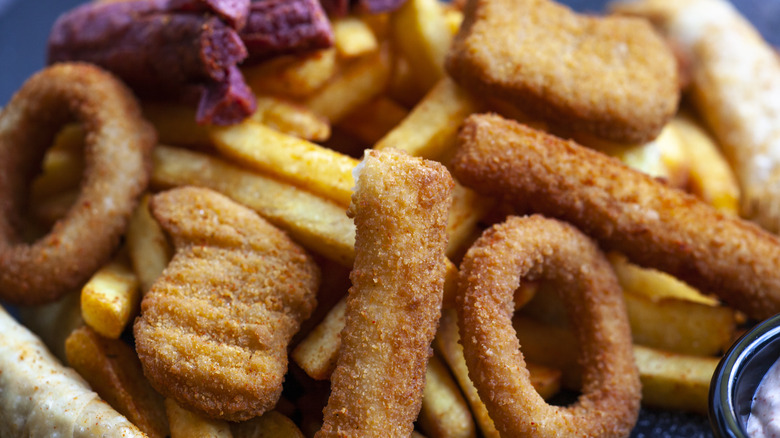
(117,167)
(539,248)
(41,398)
(653,225)
(400,211)
(735,85)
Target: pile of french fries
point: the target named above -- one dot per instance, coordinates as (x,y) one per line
(382,85)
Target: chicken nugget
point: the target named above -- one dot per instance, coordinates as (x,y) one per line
(612,77)
(214,328)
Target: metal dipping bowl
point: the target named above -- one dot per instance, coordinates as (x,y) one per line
(737,376)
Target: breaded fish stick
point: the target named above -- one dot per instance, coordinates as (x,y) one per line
(39,397)
(625,210)
(735,79)
(400,209)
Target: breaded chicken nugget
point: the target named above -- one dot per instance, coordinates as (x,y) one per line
(613,77)
(214,328)
(624,210)
(400,207)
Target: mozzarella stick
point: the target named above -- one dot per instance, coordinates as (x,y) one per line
(400,209)
(735,84)
(39,397)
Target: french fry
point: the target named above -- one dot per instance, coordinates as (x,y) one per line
(675,381)
(111,297)
(467,209)
(547,381)
(669,380)
(685,322)
(430,129)
(668,314)
(334,284)
(712,178)
(444,412)
(665,157)
(54,322)
(454,18)
(52,208)
(317,353)
(403,87)
(186,424)
(360,81)
(353,37)
(113,370)
(550,345)
(295,76)
(325,172)
(318,224)
(423,35)
(271,424)
(680,326)
(147,246)
(652,283)
(175,124)
(378,23)
(62,166)
(370,122)
(290,118)
(545,306)
(315,168)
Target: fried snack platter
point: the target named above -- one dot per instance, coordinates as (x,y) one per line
(391,82)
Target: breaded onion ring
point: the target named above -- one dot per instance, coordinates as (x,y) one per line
(118,163)
(532,248)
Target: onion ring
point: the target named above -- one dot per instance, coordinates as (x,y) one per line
(118,163)
(541,248)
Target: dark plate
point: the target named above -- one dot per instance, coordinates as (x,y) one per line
(24,26)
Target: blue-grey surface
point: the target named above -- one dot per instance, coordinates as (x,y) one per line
(24,26)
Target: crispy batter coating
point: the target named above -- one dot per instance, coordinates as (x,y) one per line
(118,163)
(625,210)
(609,76)
(531,248)
(400,207)
(214,328)
(735,86)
